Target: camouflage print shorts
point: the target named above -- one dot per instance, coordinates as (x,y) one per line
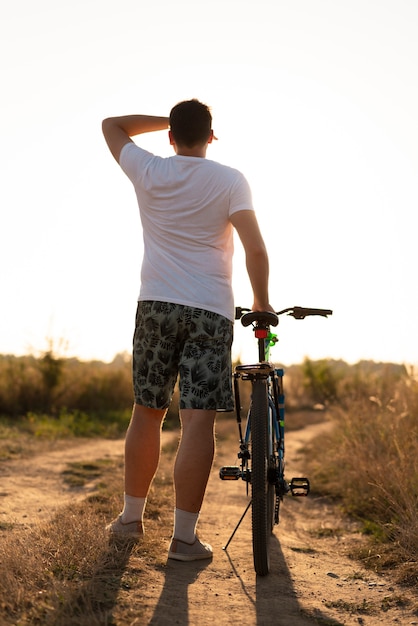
(173,340)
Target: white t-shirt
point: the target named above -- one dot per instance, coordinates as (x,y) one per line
(185,204)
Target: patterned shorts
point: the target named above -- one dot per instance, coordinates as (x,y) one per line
(174,341)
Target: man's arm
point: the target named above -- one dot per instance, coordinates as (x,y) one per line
(256,257)
(118,130)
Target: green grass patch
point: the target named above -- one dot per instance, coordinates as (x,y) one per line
(304,550)
(324,533)
(27,435)
(320,620)
(79,474)
(364,608)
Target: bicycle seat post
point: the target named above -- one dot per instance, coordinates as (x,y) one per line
(261,332)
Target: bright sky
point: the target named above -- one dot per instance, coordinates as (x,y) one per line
(314,100)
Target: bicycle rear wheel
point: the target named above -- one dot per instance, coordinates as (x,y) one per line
(262,490)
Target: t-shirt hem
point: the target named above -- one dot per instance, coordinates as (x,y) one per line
(197,305)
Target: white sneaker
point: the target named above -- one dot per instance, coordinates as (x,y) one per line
(182,551)
(133,530)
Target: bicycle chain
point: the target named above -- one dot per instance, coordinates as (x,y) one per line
(276,509)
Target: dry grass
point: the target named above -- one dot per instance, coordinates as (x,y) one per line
(370,463)
(66,572)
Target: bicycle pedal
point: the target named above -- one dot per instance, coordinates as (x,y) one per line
(299,487)
(230,472)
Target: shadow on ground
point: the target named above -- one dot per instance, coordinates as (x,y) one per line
(271,601)
(275,597)
(173,603)
(94,602)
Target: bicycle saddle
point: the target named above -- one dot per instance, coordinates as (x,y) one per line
(264,317)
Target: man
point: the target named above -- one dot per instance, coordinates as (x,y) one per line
(188,206)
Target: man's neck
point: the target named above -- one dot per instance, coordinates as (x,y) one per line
(195,151)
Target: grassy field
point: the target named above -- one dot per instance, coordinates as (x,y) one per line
(58,572)
(369,465)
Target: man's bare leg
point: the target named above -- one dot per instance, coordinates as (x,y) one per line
(194,458)
(191,473)
(142,455)
(142,449)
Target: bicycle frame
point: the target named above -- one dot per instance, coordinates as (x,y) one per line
(276,414)
(262,454)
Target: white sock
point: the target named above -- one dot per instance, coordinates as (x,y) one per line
(133,510)
(185,525)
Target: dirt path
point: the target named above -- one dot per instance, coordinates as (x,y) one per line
(33,489)
(312,581)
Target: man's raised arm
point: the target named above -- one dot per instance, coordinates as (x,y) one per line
(118,131)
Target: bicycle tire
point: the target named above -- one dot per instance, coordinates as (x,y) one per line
(261,491)
(271,475)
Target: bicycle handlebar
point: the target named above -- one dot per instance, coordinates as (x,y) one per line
(269,318)
(300,312)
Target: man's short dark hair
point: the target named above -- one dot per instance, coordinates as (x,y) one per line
(190,123)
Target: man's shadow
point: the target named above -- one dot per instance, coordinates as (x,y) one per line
(173,603)
(275,600)
(99,595)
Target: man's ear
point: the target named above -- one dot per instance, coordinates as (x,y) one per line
(170,138)
(212,137)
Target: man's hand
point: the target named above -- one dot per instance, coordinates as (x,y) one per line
(257,307)
(118,130)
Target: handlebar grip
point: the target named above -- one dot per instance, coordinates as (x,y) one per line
(300,312)
(239,312)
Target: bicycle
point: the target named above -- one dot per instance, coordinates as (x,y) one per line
(262,442)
